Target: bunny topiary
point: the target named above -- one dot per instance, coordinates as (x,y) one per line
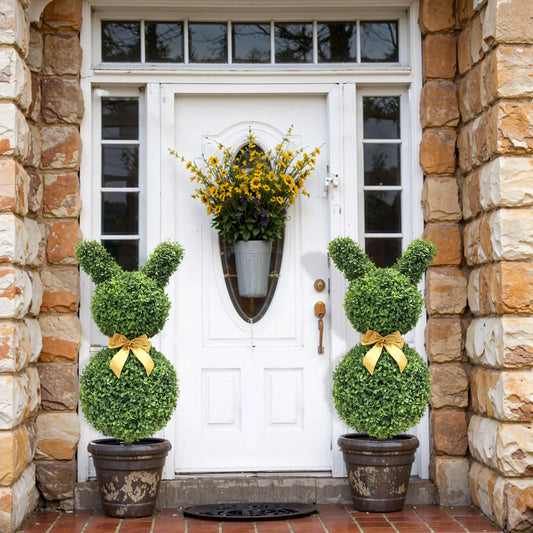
(382,386)
(123,396)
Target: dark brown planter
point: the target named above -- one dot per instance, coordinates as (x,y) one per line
(129,476)
(378,470)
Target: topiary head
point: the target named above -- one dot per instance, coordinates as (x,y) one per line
(129,303)
(382,299)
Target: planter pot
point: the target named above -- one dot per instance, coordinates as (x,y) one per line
(129,476)
(378,470)
(252,260)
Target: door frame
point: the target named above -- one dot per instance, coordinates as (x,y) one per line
(151,84)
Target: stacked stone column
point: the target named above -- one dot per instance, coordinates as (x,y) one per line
(495,144)
(446,280)
(40,150)
(21,237)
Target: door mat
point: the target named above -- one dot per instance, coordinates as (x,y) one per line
(249,512)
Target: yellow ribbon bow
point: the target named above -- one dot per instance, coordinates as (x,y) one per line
(393,343)
(140,346)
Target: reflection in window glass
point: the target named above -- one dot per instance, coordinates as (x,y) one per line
(120,213)
(337,42)
(251,43)
(382,164)
(381,117)
(379,42)
(120,118)
(384,252)
(294,43)
(120,165)
(382,212)
(208,43)
(163,42)
(121,41)
(126,253)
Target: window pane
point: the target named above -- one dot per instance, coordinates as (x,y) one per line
(379,42)
(381,117)
(383,252)
(337,42)
(120,166)
(294,43)
(164,42)
(121,41)
(208,43)
(251,43)
(382,212)
(126,253)
(382,164)
(120,118)
(120,213)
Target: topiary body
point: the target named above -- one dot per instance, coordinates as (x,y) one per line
(137,403)
(383,300)
(134,406)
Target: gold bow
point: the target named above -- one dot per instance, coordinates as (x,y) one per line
(140,346)
(393,343)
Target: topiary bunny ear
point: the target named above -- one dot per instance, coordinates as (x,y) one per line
(416,259)
(163,262)
(349,258)
(96,261)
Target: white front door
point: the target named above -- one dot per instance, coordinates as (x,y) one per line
(253,396)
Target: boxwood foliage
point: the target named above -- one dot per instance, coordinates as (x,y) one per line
(134,406)
(385,300)
(385,403)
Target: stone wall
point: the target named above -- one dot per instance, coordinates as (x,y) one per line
(40,111)
(494,180)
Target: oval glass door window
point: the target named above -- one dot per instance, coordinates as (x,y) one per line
(249,309)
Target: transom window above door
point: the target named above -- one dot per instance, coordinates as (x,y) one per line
(354,42)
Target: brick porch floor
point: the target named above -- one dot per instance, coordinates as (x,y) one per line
(330,519)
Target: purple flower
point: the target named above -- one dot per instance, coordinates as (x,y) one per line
(227,199)
(255,213)
(283,211)
(256,201)
(263,212)
(239,218)
(264,222)
(244,199)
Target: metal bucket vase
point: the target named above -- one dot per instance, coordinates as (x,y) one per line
(252,261)
(378,470)
(129,476)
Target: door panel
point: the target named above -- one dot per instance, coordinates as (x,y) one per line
(254,397)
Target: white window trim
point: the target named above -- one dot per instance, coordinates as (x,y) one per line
(350,80)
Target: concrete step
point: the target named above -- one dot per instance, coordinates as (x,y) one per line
(198,490)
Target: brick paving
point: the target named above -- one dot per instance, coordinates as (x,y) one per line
(330,519)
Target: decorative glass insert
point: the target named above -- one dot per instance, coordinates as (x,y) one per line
(382,184)
(163,42)
(379,42)
(337,42)
(119,191)
(251,43)
(311,42)
(250,309)
(121,41)
(294,43)
(208,42)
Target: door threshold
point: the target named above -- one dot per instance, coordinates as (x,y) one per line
(262,474)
